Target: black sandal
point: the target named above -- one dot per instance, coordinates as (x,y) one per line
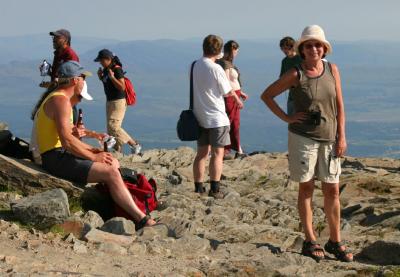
(310,248)
(142,223)
(334,249)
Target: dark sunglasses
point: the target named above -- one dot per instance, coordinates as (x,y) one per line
(312,45)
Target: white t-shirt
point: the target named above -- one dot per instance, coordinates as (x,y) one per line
(210,84)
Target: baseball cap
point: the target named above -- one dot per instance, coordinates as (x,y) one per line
(105,53)
(73,69)
(61,32)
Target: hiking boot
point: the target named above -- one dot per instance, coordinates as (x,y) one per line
(135,149)
(199,188)
(216,194)
(240,155)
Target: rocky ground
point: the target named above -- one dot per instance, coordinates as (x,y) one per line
(253,231)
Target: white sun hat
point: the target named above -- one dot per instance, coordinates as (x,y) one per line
(313,32)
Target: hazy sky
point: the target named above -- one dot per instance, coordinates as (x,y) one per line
(179,19)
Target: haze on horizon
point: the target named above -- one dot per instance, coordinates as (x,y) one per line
(176,19)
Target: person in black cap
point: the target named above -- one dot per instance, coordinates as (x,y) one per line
(112,77)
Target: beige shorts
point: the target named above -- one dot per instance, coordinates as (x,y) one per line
(309,158)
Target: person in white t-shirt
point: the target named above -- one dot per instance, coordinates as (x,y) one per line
(210,86)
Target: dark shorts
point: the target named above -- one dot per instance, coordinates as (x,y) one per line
(64,165)
(216,137)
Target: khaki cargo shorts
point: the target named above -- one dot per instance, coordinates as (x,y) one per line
(309,158)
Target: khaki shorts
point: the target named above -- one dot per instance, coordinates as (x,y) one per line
(309,158)
(216,137)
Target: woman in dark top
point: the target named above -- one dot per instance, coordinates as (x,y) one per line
(317,136)
(112,77)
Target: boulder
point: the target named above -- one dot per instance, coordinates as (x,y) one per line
(382,253)
(159,231)
(93,219)
(29,178)
(119,226)
(43,209)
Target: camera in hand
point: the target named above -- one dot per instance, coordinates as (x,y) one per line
(314,118)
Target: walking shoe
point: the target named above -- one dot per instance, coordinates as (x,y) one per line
(135,149)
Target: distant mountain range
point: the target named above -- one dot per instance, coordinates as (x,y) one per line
(159,70)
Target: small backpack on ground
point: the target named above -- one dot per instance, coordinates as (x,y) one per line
(129,91)
(143,192)
(14,147)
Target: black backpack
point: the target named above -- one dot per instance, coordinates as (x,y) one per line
(14,147)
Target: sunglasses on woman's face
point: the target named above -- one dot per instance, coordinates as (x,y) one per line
(312,45)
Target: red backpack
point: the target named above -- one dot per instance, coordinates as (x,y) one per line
(129,91)
(143,192)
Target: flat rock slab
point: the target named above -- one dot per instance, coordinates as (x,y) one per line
(98,236)
(29,178)
(43,209)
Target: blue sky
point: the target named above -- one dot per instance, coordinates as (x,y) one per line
(180,19)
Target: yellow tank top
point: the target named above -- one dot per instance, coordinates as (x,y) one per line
(46,130)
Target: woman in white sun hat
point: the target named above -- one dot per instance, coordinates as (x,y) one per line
(317,137)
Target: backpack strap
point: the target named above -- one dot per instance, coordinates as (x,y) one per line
(298,70)
(191,86)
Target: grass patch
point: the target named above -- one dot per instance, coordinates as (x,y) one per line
(57,230)
(6,188)
(75,205)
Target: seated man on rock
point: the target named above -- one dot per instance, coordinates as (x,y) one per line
(64,155)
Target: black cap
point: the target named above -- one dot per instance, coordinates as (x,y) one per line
(61,33)
(105,53)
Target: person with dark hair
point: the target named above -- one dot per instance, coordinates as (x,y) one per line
(65,156)
(210,86)
(291,57)
(290,60)
(231,49)
(317,136)
(112,76)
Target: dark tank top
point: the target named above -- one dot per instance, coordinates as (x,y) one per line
(316,94)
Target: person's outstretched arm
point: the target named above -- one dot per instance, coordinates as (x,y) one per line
(284,83)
